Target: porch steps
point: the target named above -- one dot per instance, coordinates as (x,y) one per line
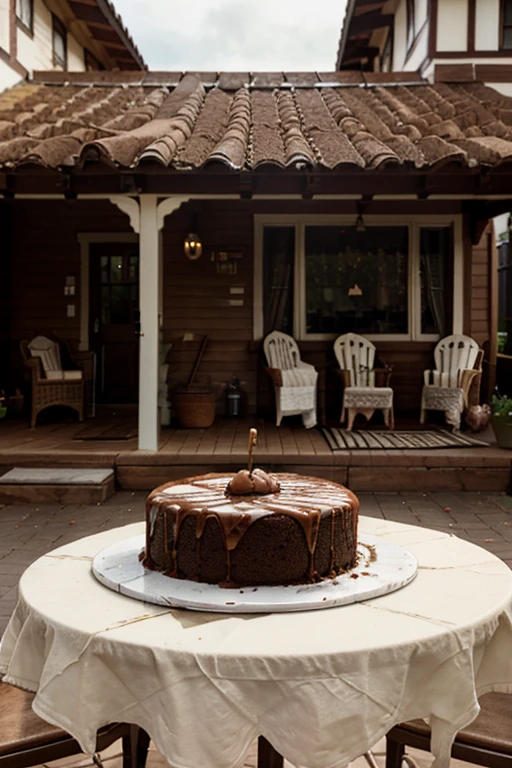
(56,485)
(471,469)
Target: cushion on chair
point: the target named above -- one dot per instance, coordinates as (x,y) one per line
(368,397)
(492,729)
(49,354)
(21,727)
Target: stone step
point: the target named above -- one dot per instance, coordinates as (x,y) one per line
(43,485)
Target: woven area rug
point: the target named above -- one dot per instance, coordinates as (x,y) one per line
(341,440)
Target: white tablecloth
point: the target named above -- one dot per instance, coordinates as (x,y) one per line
(321,686)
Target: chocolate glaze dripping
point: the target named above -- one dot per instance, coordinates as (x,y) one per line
(304,499)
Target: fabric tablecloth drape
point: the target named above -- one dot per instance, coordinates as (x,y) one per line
(322,686)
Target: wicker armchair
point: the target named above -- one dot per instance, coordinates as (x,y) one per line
(50,385)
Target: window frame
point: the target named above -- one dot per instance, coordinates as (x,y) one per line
(413,222)
(28,28)
(503,26)
(59,27)
(410,24)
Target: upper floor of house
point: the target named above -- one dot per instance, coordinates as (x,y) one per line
(440,39)
(71,35)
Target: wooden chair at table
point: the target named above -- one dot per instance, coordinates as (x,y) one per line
(365,388)
(50,385)
(486,741)
(26,740)
(454,384)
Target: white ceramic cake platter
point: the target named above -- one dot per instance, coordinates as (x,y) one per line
(382,567)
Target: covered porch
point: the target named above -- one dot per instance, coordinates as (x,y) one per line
(241,158)
(223,448)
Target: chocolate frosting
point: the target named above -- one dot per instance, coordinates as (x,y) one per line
(306,499)
(257,481)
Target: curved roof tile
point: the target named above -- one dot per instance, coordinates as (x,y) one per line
(249,121)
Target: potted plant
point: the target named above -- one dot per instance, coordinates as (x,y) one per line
(501,420)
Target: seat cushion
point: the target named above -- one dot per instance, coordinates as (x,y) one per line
(368,397)
(492,729)
(21,727)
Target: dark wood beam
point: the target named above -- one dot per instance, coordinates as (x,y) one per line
(360,52)
(87,12)
(367,22)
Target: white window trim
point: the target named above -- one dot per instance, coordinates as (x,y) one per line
(413,222)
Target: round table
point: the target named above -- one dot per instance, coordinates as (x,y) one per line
(321,686)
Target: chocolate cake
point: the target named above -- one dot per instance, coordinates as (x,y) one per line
(251,529)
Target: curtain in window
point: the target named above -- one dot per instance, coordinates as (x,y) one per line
(278,260)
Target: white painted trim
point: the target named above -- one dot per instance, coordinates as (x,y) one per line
(414,223)
(85,239)
(168,206)
(130,206)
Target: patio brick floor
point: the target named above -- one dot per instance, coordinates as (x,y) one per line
(28,531)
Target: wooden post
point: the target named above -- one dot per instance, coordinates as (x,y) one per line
(149,302)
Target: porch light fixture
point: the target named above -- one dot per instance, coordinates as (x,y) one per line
(193,246)
(360,226)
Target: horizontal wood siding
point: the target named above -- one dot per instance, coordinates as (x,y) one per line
(45,251)
(479,301)
(196,299)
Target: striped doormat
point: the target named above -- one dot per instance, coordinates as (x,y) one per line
(341,440)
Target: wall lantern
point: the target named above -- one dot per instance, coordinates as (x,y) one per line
(193,246)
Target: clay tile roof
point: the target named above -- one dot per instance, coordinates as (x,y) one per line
(248,120)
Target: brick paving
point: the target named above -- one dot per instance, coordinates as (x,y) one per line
(28,531)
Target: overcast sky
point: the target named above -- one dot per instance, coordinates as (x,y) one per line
(235,35)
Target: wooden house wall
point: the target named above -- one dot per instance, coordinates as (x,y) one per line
(45,251)
(5,250)
(196,297)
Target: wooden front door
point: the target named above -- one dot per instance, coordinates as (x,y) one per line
(113,317)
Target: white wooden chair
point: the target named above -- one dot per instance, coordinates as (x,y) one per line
(458,362)
(294,380)
(366,389)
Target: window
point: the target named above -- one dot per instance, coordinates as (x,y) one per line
(397,278)
(410,33)
(356,281)
(436,279)
(278,270)
(506,38)
(386,59)
(25,13)
(59,38)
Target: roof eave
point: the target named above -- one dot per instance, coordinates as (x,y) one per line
(114,22)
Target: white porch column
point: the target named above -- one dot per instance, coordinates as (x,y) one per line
(149,243)
(147,217)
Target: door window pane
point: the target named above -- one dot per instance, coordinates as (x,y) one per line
(120,304)
(104,269)
(278,261)
(356,281)
(116,269)
(134,269)
(436,281)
